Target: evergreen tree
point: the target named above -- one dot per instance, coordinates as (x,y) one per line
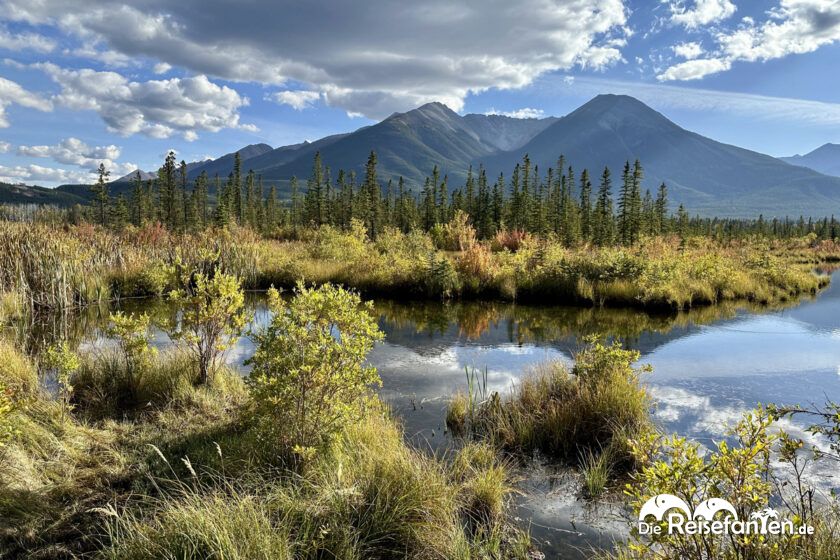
(100,195)
(372,194)
(661,204)
(585,206)
(603,226)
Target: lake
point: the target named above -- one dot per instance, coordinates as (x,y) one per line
(709,366)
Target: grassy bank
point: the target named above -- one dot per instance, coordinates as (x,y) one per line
(51,267)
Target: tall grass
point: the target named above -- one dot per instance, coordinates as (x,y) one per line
(595,408)
(367,496)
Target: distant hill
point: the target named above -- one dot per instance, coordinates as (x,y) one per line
(26,194)
(825,159)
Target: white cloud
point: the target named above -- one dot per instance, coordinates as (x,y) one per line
(12,93)
(25,41)
(298,100)
(663,96)
(75,152)
(701,12)
(156,108)
(694,69)
(106,56)
(793,27)
(688,51)
(162,68)
(372,58)
(37,173)
(4,147)
(524,113)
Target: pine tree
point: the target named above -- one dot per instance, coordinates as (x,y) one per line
(372,194)
(137,195)
(661,204)
(100,195)
(120,214)
(604,224)
(166,188)
(295,209)
(585,206)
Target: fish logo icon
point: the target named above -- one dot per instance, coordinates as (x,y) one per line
(661,504)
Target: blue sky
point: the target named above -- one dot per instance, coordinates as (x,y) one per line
(84,81)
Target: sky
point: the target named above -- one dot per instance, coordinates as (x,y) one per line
(84,82)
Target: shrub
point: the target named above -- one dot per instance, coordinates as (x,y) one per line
(739,470)
(309,377)
(457,234)
(213,316)
(63,362)
(132,336)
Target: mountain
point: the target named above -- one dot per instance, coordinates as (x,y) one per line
(285,154)
(410,144)
(708,176)
(144,176)
(825,159)
(506,133)
(406,144)
(224,164)
(29,194)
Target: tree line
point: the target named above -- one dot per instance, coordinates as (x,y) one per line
(572,208)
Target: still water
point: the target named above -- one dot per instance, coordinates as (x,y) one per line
(709,366)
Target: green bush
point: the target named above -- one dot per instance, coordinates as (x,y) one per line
(212,317)
(309,377)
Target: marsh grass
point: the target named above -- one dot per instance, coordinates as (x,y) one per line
(591,411)
(368,496)
(595,469)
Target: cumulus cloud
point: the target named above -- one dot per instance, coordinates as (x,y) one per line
(13,93)
(372,58)
(792,27)
(25,41)
(298,100)
(76,152)
(524,113)
(701,12)
(162,68)
(688,51)
(694,69)
(4,147)
(37,173)
(156,108)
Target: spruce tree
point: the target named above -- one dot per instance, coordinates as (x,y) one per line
(100,195)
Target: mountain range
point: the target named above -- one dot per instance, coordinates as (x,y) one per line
(709,177)
(825,159)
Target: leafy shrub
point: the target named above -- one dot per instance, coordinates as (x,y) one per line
(739,470)
(456,235)
(309,377)
(132,336)
(63,362)
(212,317)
